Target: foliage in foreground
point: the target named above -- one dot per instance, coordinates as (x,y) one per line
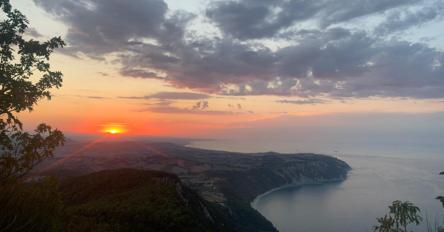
(404,214)
(400,216)
(30,207)
(22,61)
(117,201)
(25,78)
(130,200)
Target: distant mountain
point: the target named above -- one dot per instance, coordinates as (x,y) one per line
(228,181)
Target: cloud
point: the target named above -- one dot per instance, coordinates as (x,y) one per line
(342,11)
(206,64)
(87,96)
(309,101)
(139,73)
(103,74)
(403,19)
(200,105)
(95,97)
(104,26)
(298,48)
(177,110)
(252,19)
(201,108)
(178,96)
(167,96)
(131,97)
(354,64)
(33,32)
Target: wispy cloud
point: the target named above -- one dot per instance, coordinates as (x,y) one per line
(310,101)
(104,74)
(131,97)
(178,96)
(86,96)
(95,97)
(200,107)
(171,96)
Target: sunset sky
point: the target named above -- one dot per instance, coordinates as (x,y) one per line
(199,68)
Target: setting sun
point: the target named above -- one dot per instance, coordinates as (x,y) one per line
(114,129)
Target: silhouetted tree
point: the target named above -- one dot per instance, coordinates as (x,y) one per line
(400,216)
(386,224)
(441,198)
(25,78)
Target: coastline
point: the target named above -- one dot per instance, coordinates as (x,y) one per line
(351,205)
(300,184)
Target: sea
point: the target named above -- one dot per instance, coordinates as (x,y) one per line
(381,174)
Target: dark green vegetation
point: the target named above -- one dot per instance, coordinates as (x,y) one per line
(19,60)
(131,200)
(136,200)
(30,207)
(119,200)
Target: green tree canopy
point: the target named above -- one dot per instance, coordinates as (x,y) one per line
(25,78)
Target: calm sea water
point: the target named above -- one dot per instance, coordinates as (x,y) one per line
(380,175)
